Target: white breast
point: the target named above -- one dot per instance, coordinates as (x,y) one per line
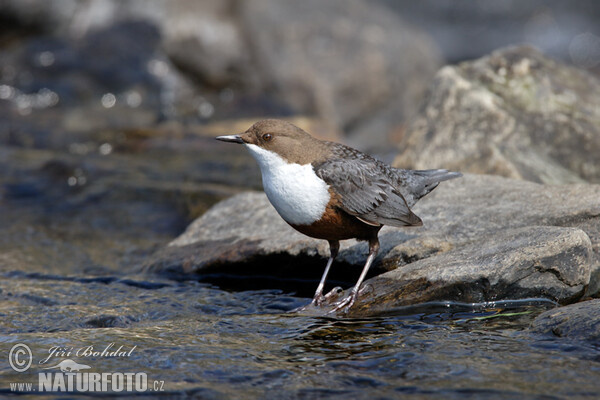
(296,192)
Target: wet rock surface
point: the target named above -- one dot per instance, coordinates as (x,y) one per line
(485,238)
(575,321)
(514,113)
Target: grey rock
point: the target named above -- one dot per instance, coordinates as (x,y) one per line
(514,113)
(352,62)
(205,38)
(484,238)
(235,230)
(577,321)
(548,262)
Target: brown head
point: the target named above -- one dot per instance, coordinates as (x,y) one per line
(287,140)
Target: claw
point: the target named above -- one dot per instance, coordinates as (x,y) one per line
(333,294)
(365,289)
(347,302)
(318,301)
(343,305)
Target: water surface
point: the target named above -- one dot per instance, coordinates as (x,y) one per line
(199,339)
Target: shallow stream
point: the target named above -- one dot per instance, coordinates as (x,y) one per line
(194,338)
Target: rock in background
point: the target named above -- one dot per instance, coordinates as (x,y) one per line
(354,64)
(361,66)
(514,113)
(567,31)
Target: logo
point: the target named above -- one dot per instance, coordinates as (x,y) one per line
(20,357)
(69,366)
(57,373)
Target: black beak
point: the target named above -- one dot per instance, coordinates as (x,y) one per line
(230,138)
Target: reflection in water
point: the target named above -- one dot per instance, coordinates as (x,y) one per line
(24,103)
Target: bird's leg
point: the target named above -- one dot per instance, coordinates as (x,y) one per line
(347,302)
(334,247)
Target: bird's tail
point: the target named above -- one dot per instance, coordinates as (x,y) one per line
(420,182)
(437,175)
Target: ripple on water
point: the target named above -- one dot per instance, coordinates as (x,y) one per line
(201,339)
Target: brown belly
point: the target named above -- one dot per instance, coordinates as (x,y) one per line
(336,224)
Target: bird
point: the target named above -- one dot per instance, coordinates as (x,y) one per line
(331,191)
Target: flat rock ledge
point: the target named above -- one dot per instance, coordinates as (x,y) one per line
(484,238)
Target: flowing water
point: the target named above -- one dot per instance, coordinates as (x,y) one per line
(193,338)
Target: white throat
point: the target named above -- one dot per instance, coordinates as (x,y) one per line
(296,192)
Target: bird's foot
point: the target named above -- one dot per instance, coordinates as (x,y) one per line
(347,302)
(332,301)
(343,305)
(332,295)
(321,299)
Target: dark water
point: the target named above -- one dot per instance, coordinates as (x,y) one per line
(198,339)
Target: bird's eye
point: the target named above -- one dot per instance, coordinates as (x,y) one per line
(267,137)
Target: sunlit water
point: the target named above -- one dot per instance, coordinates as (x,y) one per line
(201,340)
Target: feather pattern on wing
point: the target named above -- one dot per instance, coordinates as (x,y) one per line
(367,188)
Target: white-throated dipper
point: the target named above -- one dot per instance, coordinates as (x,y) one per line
(330,191)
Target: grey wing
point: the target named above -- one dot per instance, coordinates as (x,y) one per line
(363,186)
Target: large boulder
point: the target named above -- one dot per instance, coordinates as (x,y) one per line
(514,113)
(536,261)
(484,238)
